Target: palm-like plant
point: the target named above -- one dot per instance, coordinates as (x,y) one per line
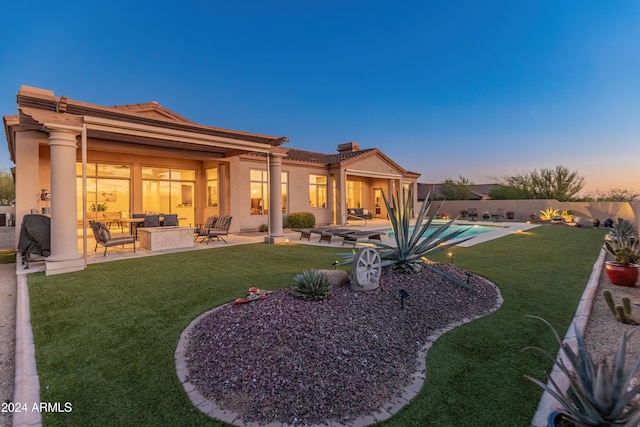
(624,243)
(597,394)
(413,244)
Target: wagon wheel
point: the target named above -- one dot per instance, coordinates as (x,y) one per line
(367,267)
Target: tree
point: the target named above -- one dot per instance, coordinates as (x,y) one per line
(504,192)
(613,195)
(7,188)
(559,183)
(460,189)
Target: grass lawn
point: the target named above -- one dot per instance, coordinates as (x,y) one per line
(7,257)
(105,337)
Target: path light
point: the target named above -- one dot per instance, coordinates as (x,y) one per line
(335,265)
(450,257)
(468,276)
(403,295)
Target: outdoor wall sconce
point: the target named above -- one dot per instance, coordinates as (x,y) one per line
(45,195)
(403,295)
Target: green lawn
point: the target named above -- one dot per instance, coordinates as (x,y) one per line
(105,337)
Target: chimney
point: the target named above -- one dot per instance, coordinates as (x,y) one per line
(349,147)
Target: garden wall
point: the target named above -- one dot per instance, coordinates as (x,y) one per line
(523,208)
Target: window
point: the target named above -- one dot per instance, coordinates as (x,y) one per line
(107,190)
(259,192)
(168,190)
(354,194)
(317,191)
(285,184)
(212,188)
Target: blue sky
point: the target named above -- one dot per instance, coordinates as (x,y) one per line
(479,89)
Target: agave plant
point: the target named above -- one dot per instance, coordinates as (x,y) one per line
(549,214)
(312,285)
(624,243)
(598,395)
(413,244)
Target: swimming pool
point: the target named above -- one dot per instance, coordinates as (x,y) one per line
(473,229)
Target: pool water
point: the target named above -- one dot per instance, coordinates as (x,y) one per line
(473,229)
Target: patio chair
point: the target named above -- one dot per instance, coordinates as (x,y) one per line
(473,214)
(499,214)
(201,230)
(151,221)
(135,225)
(103,237)
(219,229)
(170,220)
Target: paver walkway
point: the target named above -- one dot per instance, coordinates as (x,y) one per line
(7,324)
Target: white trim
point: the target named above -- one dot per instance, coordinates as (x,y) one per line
(372,174)
(126,128)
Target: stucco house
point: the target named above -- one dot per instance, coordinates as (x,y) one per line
(79,161)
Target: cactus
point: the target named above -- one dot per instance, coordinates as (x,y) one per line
(622,313)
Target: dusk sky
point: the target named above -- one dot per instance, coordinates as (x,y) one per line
(480,89)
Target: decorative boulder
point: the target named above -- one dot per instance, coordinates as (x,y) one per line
(336,277)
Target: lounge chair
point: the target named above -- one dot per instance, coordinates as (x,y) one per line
(103,237)
(354,236)
(327,234)
(305,233)
(219,228)
(473,214)
(201,230)
(358,213)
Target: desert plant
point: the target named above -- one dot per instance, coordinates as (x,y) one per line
(301,220)
(413,244)
(597,395)
(621,312)
(311,285)
(263,227)
(623,242)
(549,214)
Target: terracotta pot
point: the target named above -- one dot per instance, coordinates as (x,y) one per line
(622,275)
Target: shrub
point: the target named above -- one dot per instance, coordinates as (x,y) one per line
(301,220)
(311,285)
(263,228)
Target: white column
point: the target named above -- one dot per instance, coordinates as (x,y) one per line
(275,198)
(64,235)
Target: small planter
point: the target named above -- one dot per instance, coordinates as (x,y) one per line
(511,215)
(622,275)
(556,419)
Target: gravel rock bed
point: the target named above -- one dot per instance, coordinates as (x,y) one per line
(287,360)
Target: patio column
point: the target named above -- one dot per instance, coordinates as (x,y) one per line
(64,234)
(275,198)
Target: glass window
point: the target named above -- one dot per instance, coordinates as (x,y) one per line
(108,189)
(166,190)
(354,194)
(285,184)
(259,192)
(212,187)
(317,191)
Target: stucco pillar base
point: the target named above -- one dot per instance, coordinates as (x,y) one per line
(276,239)
(64,266)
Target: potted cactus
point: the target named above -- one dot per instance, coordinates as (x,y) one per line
(623,243)
(598,394)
